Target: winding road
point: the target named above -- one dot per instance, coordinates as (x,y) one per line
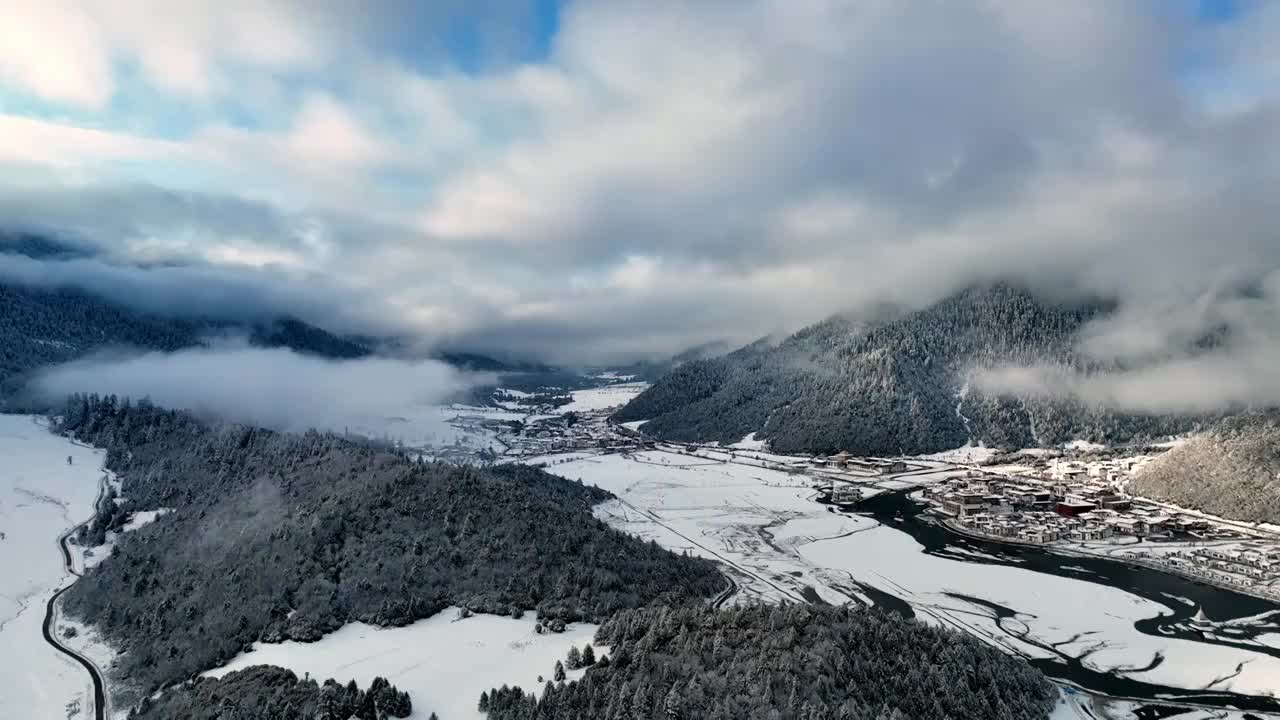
(728,593)
(101,712)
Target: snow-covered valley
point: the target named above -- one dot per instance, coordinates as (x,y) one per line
(756,513)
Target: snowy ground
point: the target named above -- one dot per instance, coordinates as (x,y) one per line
(89,642)
(435,426)
(144,517)
(751,456)
(763,524)
(750,443)
(442,662)
(966,455)
(1084,446)
(614,375)
(1010,470)
(41,496)
(1084,620)
(1074,705)
(603,398)
(747,517)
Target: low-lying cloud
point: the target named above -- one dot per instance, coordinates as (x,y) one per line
(271,388)
(1198,354)
(205,291)
(1189,386)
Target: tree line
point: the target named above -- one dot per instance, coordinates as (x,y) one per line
(41,327)
(791,662)
(265,691)
(275,536)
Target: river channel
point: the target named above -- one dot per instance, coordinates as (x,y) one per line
(1239,619)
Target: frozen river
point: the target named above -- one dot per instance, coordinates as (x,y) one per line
(1096,623)
(1133,637)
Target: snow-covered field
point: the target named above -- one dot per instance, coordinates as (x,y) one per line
(41,496)
(750,443)
(764,458)
(442,662)
(434,426)
(603,398)
(762,523)
(748,517)
(966,455)
(614,375)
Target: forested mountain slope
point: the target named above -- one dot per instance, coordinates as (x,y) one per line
(1232,471)
(44,326)
(893,386)
(41,327)
(798,662)
(275,536)
(38,246)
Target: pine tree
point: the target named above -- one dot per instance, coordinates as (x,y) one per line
(673,703)
(558,676)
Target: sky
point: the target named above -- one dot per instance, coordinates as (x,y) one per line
(608,180)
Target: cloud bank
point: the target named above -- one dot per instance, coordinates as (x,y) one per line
(270,388)
(629,179)
(1187,386)
(1208,354)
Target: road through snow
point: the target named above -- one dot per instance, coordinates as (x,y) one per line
(43,499)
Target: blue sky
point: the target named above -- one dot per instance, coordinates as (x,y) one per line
(523,174)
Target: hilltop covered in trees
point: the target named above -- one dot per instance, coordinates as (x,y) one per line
(265,692)
(1232,471)
(797,662)
(40,327)
(893,385)
(275,536)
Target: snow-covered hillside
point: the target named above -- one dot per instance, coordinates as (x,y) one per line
(442,662)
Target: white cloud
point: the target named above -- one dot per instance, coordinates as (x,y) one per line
(52,49)
(271,388)
(29,141)
(325,141)
(676,172)
(69,51)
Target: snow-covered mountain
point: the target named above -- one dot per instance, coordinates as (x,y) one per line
(895,384)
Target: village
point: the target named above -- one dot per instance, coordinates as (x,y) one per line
(1072,502)
(1080,506)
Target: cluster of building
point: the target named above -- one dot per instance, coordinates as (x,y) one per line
(488,435)
(1255,561)
(1076,502)
(844,461)
(1113,472)
(1029,510)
